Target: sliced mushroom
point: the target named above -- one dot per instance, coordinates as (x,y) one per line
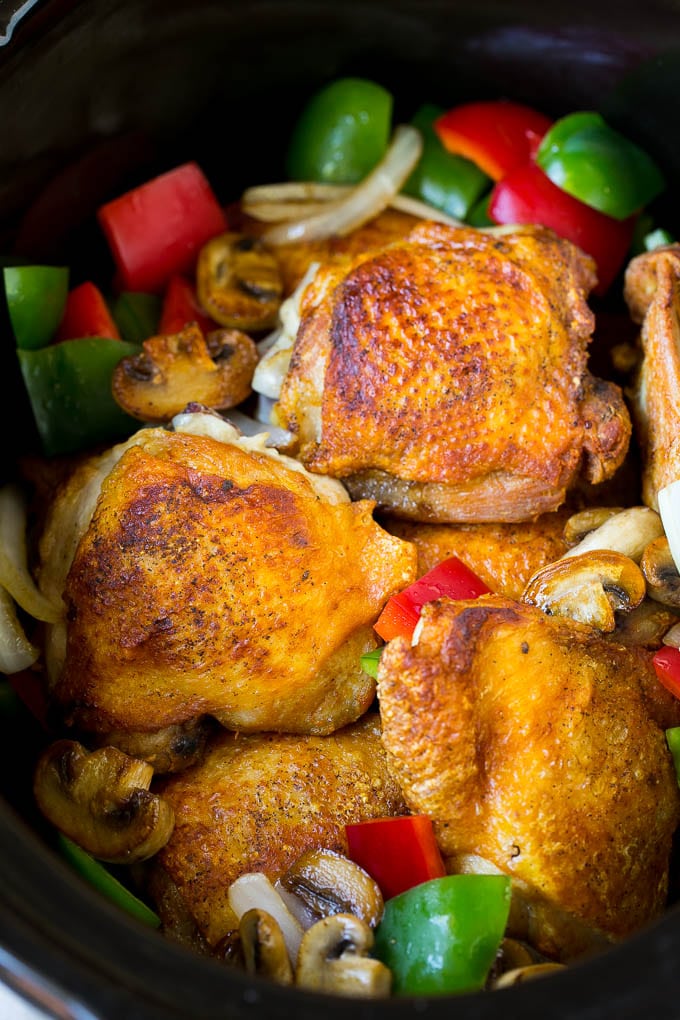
(264,947)
(239,282)
(522,974)
(101,801)
(582,523)
(174,370)
(646,626)
(254,891)
(588,588)
(661,573)
(628,531)
(329,883)
(168,750)
(334,958)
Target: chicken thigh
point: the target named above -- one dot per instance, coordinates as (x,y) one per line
(215,580)
(256,803)
(444,375)
(533,746)
(652,292)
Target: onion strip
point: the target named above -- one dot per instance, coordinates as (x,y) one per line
(14,573)
(254,891)
(16,651)
(364,202)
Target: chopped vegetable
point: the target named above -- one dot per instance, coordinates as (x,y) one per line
(667,667)
(450,579)
(442,937)
(137,315)
(527,195)
(36,297)
(370,661)
(86,314)
(69,387)
(496,135)
(657,239)
(181,307)
(673,741)
(101,879)
(591,161)
(342,132)
(397,852)
(158,228)
(447,182)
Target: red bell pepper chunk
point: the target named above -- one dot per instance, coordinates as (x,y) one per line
(180,307)
(527,195)
(397,852)
(496,135)
(667,666)
(157,229)
(450,579)
(86,314)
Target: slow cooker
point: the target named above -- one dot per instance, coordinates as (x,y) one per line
(95,96)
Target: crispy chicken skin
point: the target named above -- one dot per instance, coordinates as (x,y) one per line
(256,803)
(652,292)
(214,580)
(531,744)
(445,376)
(504,556)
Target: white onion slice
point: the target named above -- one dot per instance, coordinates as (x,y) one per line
(669,508)
(14,573)
(16,651)
(255,891)
(364,202)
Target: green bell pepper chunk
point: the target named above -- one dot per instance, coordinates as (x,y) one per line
(478,216)
(101,879)
(370,661)
(69,386)
(36,298)
(447,182)
(342,132)
(137,315)
(442,936)
(591,161)
(673,741)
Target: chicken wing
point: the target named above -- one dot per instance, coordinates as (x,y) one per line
(445,376)
(256,803)
(534,748)
(214,579)
(652,292)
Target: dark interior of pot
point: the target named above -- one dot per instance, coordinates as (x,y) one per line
(97,97)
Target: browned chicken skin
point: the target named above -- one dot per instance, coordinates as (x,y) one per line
(256,803)
(652,291)
(531,744)
(504,556)
(214,580)
(445,376)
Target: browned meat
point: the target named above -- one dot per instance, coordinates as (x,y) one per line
(531,743)
(652,291)
(445,376)
(214,580)
(505,556)
(256,803)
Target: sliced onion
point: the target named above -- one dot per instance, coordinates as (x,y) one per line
(255,891)
(16,651)
(669,509)
(672,636)
(14,573)
(364,202)
(275,203)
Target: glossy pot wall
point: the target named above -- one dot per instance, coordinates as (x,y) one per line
(97,95)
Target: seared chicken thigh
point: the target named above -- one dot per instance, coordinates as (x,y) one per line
(215,580)
(534,747)
(444,375)
(256,803)
(652,291)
